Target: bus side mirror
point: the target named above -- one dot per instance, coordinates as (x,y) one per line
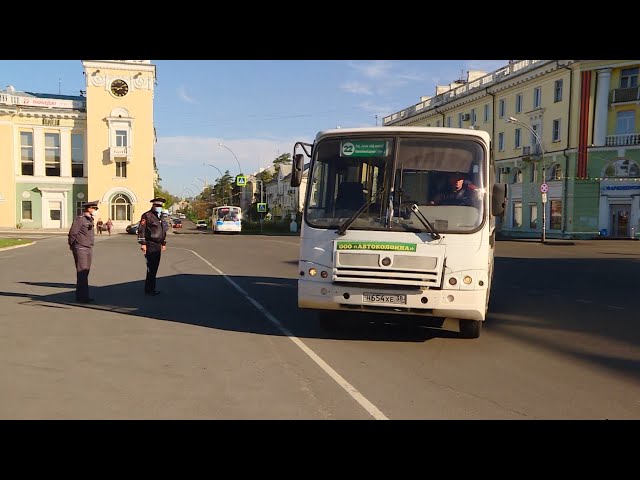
(498,199)
(296,172)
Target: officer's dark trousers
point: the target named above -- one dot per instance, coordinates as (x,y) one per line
(153,262)
(82,257)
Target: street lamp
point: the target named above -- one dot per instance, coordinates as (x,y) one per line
(544,209)
(234,155)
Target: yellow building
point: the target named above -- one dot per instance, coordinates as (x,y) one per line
(59,151)
(584,115)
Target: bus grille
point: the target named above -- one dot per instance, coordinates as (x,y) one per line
(386,276)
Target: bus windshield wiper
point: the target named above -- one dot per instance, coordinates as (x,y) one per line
(432,231)
(347,223)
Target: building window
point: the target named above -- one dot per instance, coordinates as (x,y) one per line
(519,103)
(517,215)
(537,97)
(556,215)
(557,91)
(473,116)
(79,208)
(629,78)
(27,213)
(625,122)
(517,176)
(121,138)
(556,130)
(533,173)
(555,172)
(121,208)
(121,168)
(486,113)
(533,215)
(459,120)
(517,138)
(26,153)
(622,168)
(502,108)
(77,155)
(501,142)
(438,123)
(448,121)
(52,154)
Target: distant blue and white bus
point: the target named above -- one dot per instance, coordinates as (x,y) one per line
(227,219)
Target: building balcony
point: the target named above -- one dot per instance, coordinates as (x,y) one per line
(120,152)
(623,95)
(623,140)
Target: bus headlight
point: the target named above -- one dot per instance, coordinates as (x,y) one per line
(467,280)
(452,281)
(324,274)
(313,272)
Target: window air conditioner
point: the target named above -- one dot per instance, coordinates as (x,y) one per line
(526,151)
(466,117)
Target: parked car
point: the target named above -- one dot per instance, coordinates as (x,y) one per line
(133,228)
(177,223)
(201,224)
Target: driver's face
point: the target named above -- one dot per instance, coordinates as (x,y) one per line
(456,182)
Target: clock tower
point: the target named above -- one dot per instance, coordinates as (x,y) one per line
(120,137)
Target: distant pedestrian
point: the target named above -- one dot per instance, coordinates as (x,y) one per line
(81,239)
(152,236)
(99,226)
(109,225)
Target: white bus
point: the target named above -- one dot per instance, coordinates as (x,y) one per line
(399,220)
(227,218)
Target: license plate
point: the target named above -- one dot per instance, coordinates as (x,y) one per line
(383,298)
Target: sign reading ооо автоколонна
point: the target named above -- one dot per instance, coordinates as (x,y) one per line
(385,246)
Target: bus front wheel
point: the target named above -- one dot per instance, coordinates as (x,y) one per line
(470,328)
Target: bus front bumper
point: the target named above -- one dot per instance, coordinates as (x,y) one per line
(460,304)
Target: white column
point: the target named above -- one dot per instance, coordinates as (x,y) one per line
(602,107)
(38,152)
(65,152)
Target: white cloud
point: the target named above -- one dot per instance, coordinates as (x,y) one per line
(373,69)
(357,88)
(377,108)
(182,93)
(181,159)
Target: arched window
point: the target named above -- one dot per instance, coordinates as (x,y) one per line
(517,175)
(120,207)
(622,168)
(554,172)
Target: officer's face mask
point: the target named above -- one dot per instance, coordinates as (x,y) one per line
(158,210)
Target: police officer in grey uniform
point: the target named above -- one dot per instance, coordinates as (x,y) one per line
(81,238)
(152,237)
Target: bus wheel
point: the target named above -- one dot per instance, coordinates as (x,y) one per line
(470,328)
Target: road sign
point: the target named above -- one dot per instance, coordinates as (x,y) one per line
(544,188)
(241,180)
(544,198)
(262,207)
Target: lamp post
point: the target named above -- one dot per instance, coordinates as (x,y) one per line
(544,206)
(234,155)
(221,177)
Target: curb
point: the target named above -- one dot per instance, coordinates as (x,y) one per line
(17,246)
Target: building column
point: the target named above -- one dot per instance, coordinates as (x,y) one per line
(38,152)
(602,107)
(65,152)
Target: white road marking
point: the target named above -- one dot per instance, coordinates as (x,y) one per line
(350,389)
(617,308)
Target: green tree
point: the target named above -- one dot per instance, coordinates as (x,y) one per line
(284,159)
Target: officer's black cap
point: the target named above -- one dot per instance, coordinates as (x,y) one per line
(91,205)
(158,200)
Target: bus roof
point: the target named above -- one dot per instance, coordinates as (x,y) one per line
(403,129)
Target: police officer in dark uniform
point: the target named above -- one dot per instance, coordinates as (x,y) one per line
(81,238)
(152,236)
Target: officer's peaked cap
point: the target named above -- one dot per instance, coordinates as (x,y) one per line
(91,204)
(159,200)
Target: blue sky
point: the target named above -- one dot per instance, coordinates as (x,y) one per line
(257,108)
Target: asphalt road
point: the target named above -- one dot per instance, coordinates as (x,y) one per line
(225,340)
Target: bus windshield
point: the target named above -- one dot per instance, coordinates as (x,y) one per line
(444,177)
(228,214)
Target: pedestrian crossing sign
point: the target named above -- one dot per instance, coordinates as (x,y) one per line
(262,207)
(241,180)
